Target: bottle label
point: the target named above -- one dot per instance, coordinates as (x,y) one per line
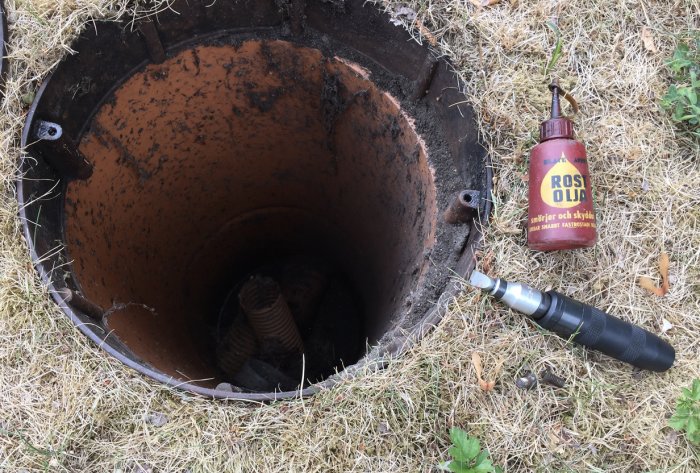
(564,186)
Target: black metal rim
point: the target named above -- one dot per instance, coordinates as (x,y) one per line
(465,263)
(3,47)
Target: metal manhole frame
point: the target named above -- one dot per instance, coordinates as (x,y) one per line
(377,357)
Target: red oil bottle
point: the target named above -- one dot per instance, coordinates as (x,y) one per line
(560,210)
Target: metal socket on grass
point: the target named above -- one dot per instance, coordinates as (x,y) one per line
(231,136)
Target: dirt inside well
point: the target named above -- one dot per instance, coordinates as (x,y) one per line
(230,162)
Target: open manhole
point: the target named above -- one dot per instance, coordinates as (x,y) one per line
(242,196)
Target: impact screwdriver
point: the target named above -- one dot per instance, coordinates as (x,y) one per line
(581,323)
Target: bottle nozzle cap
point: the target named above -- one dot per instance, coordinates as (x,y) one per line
(557,126)
(556,106)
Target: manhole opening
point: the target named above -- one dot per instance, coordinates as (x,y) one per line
(251,208)
(229,162)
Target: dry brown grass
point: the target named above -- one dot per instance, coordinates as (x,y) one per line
(65,406)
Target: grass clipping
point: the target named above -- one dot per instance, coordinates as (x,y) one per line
(66,406)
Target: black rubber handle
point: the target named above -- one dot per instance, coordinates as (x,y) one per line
(595,329)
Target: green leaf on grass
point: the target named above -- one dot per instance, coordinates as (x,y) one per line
(467,447)
(682,99)
(687,415)
(556,52)
(467,456)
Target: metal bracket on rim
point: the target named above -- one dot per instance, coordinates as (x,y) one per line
(47,131)
(463,207)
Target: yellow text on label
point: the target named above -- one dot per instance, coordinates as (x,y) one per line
(564,186)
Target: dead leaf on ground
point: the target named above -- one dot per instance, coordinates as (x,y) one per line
(483,384)
(647,284)
(487,262)
(664,264)
(484,3)
(476,361)
(648,40)
(425,32)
